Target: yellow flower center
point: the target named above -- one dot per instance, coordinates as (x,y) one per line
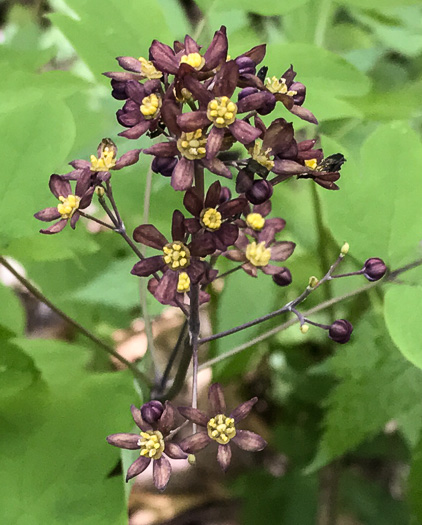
(151,106)
(193,59)
(221,429)
(255,221)
(222,111)
(148,69)
(152,444)
(192,145)
(274,85)
(68,205)
(106,162)
(261,156)
(258,254)
(210,219)
(311,163)
(183,284)
(176,255)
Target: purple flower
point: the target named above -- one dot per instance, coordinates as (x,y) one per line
(70,203)
(258,253)
(153,443)
(212,217)
(374,269)
(178,260)
(221,428)
(255,220)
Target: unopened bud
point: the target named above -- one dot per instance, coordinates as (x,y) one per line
(260,192)
(225,195)
(304,328)
(374,269)
(284,278)
(152,411)
(345,249)
(313,282)
(340,331)
(99,190)
(164,165)
(192,459)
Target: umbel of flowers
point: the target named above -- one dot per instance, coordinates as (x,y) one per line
(203,109)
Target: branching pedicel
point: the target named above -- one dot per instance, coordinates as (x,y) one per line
(225,98)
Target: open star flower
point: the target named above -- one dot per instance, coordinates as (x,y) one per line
(155,423)
(257,254)
(218,110)
(178,257)
(221,428)
(137,69)
(212,217)
(256,222)
(70,203)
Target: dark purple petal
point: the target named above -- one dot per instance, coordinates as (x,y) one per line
(177,226)
(80,164)
(170,111)
(193,202)
(194,415)
(216,399)
(249,441)
(139,420)
(196,269)
(257,53)
(235,255)
(283,277)
(300,89)
(226,236)
(83,183)
(202,245)
(277,224)
(121,77)
(304,114)
(149,235)
(213,195)
(152,411)
(59,187)
(167,287)
(192,225)
(218,167)
(288,167)
(193,120)
(244,181)
(166,421)
(129,158)
(225,80)
(55,228)
(270,269)
(148,266)
(243,410)
(48,214)
(263,209)
(136,131)
(137,467)
(282,250)
(182,176)
(224,456)
(129,63)
(74,219)
(162,149)
(244,132)
(278,136)
(136,92)
(217,50)
(195,443)
(174,451)
(163,57)
(255,101)
(214,141)
(161,472)
(124,440)
(250,269)
(232,208)
(199,91)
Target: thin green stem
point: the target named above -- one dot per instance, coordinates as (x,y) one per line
(323,21)
(104,346)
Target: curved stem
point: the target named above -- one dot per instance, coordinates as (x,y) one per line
(104,346)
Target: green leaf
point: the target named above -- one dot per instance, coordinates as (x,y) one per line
(415,481)
(17,370)
(374,210)
(55,461)
(376,385)
(264,7)
(12,313)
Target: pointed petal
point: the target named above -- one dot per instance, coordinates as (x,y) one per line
(277,224)
(202,245)
(226,79)
(244,132)
(55,228)
(124,440)
(255,101)
(193,120)
(177,226)
(148,266)
(263,209)
(271,269)
(48,214)
(149,235)
(162,149)
(226,236)
(169,113)
(166,421)
(137,467)
(163,57)
(213,195)
(288,167)
(250,269)
(196,269)
(257,53)
(137,417)
(129,63)
(216,399)
(59,187)
(218,167)
(129,158)
(233,207)
(174,451)
(194,415)
(224,456)
(249,441)
(217,50)
(235,255)
(304,114)
(161,472)
(280,251)
(242,411)
(214,141)
(195,443)
(193,202)
(167,287)
(74,219)
(182,176)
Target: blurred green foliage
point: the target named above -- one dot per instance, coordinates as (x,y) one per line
(361,61)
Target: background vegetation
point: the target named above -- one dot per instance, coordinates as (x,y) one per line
(344,423)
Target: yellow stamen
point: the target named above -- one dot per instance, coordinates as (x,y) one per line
(151,444)
(192,145)
(68,205)
(222,111)
(261,156)
(151,106)
(148,69)
(183,284)
(107,159)
(255,221)
(210,219)
(274,85)
(258,254)
(193,59)
(311,163)
(221,429)
(176,255)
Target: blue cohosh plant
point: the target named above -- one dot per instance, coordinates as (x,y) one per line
(204,108)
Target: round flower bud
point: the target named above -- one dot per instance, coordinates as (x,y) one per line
(246,65)
(374,269)
(260,192)
(244,181)
(225,195)
(246,92)
(340,331)
(164,165)
(283,278)
(152,411)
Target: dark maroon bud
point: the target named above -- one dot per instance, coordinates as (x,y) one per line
(246,66)
(244,181)
(225,195)
(164,165)
(340,331)
(260,192)
(284,278)
(118,90)
(374,269)
(152,411)
(246,92)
